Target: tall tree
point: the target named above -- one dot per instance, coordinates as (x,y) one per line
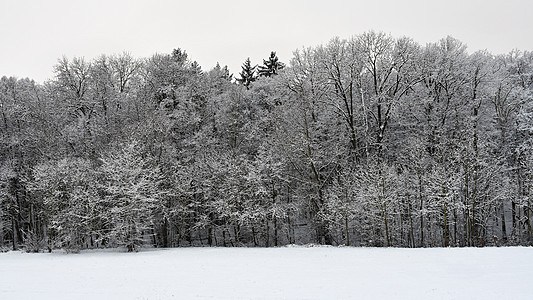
(70,202)
(248,74)
(131,194)
(271,66)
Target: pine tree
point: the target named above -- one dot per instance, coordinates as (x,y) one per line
(247,74)
(271,66)
(221,72)
(196,68)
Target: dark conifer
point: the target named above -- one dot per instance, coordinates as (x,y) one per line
(247,74)
(271,66)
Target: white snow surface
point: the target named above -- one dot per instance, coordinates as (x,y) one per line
(271,273)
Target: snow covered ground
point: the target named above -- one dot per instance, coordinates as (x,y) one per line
(275,273)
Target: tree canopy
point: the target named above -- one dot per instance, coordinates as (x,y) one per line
(367,141)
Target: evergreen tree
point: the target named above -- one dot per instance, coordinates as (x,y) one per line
(196,68)
(247,74)
(221,72)
(271,66)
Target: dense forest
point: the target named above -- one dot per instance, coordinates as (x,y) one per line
(367,141)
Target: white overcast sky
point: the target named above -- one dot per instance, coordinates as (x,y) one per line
(35,33)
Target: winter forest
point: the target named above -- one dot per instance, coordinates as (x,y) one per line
(368,141)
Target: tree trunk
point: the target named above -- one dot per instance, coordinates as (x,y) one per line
(254,237)
(421,210)
(529,214)
(385,218)
(164,233)
(275,231)
(347,231)
(13,233)
(504,228)
(411,231)
(224,236)
(445,216)
(210,236)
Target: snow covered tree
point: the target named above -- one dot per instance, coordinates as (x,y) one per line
(271,66)
(164,75)
(370,140)
(219,79)
(248,74)
(131,195)
(124,68)
(6,206)
(307,137)
(70,199)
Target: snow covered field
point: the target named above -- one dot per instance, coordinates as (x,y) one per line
(275,273)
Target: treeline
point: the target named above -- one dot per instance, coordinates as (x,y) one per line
(369,141)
